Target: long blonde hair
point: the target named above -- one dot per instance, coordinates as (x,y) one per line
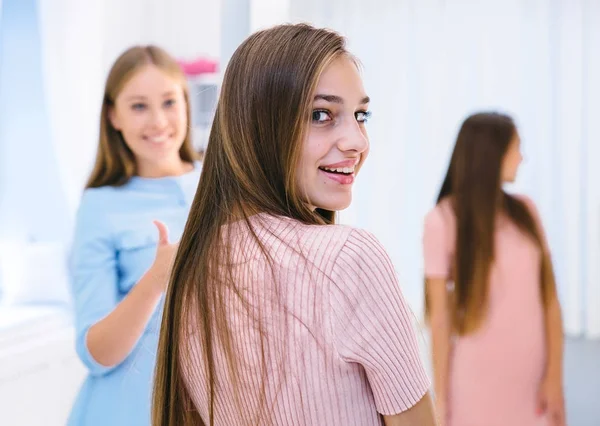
(115,163)
(262,117)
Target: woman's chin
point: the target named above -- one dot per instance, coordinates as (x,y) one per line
(335,205)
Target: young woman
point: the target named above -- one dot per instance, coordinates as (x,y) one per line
(490,292)
(274,315)
(145,172)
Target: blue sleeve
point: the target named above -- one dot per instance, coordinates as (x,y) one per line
(93,275)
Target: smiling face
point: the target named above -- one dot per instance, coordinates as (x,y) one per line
(336,144)
(150,113)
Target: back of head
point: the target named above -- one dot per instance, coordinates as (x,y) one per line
(115,163)
(473,185)
(250,166)
(476,162)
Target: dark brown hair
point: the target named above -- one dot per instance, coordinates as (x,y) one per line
(115,163)
(473,186)
(262,117)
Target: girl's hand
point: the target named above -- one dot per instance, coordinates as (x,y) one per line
(551,401)
(165,256)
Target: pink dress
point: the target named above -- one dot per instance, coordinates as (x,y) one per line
(340,347)
(495,373)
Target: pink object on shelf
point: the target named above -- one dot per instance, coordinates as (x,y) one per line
(199,66)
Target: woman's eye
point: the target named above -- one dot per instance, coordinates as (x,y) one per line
(169,102)
(362,116)
(138,107)
(320,116)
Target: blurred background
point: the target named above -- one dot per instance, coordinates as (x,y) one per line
(427,64)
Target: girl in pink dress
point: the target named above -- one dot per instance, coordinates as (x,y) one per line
(490,293)
(275,315)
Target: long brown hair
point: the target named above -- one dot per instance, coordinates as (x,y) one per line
(473,185)
(262,117)
(115,163)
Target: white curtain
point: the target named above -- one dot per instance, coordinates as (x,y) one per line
(266,13)
(72,35)
(427,65)
(185,28)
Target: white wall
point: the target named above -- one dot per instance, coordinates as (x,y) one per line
(266,13)
(185,28)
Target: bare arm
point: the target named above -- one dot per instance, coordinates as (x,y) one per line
(111,339)
(553,316)
(554,335)
(551,394)
(437,297)
(554,325)
(420,414)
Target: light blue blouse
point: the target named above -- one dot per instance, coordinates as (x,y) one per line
(114,245)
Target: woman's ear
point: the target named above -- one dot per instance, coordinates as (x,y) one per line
(112,117)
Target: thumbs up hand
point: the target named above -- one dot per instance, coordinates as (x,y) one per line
(165,256)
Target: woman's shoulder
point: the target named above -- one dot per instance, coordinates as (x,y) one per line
(525,199)
(440,215)
(338,234)
(359,245)
(324,240)
(114,198)
(98,205)
(98,195)
(362,265)
(313,237)
(530,205)
(95,201)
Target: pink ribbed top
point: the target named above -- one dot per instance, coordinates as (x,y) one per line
(338,340)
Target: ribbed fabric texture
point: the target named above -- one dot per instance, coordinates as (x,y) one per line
(338,345)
